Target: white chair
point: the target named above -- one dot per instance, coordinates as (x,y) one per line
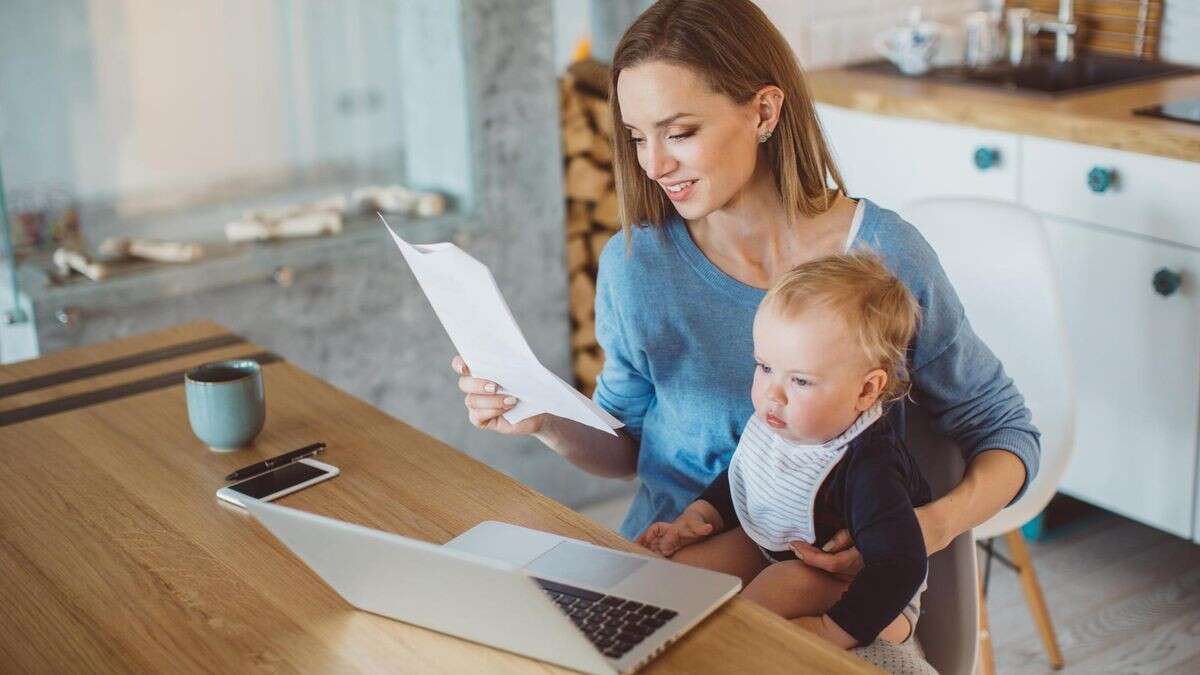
(997,256)
(948,630)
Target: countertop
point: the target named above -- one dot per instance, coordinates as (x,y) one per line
(1101,117)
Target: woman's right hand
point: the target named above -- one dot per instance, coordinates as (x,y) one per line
(486,408)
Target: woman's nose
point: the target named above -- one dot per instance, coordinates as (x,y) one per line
(658,162)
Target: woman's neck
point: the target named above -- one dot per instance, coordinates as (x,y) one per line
(752,239)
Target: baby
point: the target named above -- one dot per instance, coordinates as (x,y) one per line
(819,455)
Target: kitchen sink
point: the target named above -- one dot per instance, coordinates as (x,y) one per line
(1044,74)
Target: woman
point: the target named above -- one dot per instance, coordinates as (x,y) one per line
(723,179)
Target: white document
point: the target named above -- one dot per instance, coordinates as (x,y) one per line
(465,298)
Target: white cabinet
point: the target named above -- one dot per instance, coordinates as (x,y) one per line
(1136,351)
(1154,196)
(895,161)
(1137,373)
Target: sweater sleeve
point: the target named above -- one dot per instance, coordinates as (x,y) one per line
(888,536)
(622,388)
(971,399)
(717,493)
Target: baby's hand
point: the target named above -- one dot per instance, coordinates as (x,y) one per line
(667,538)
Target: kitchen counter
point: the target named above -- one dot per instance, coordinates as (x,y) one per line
(1103,117)
(1115,199)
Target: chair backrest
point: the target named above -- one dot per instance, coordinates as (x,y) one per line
(998,259)
(949,627)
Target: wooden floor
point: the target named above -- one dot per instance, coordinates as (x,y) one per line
(1124,597)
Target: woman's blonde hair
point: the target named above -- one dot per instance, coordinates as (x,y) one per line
(736,49)
(873,303)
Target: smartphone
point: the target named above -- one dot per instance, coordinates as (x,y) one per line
(278,482)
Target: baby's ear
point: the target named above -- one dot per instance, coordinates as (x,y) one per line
(872,388)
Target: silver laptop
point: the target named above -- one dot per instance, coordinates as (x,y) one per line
(548,597)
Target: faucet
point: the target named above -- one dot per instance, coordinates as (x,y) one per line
(1064,27)
(1023,24)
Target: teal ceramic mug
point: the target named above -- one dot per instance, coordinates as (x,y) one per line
(225,403)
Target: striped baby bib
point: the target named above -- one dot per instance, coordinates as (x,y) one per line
(774,482)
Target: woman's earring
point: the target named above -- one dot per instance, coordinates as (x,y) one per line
(764,136)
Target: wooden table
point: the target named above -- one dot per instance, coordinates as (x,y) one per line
(115,555)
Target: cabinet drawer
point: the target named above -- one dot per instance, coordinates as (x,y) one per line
(895,161)
(1154,196)
(1137,372)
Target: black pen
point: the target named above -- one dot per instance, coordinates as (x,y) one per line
(285,458)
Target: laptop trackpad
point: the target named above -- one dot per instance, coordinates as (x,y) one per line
(585,565)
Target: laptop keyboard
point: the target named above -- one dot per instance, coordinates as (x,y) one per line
(614,625)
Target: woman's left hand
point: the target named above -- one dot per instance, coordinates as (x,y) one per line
(840,558)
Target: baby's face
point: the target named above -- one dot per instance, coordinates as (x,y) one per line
(809,375)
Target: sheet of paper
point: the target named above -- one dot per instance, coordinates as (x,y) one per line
(469,304)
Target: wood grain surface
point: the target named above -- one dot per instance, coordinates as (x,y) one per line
(116,555)
(1124,598)
(1104,118)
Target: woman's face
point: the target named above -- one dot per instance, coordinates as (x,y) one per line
(698,145)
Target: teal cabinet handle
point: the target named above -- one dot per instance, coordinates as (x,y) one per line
(1166,282)
(1099,179)
(986,158)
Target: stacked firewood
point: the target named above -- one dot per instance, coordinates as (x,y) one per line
(591,203)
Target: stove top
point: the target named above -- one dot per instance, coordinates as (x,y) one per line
(1180,111)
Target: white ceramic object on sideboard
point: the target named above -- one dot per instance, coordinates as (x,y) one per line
(912,46)
(1137,352)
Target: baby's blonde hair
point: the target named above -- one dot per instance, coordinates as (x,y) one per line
(871,301)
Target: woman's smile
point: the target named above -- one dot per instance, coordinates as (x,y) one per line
(680,191)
